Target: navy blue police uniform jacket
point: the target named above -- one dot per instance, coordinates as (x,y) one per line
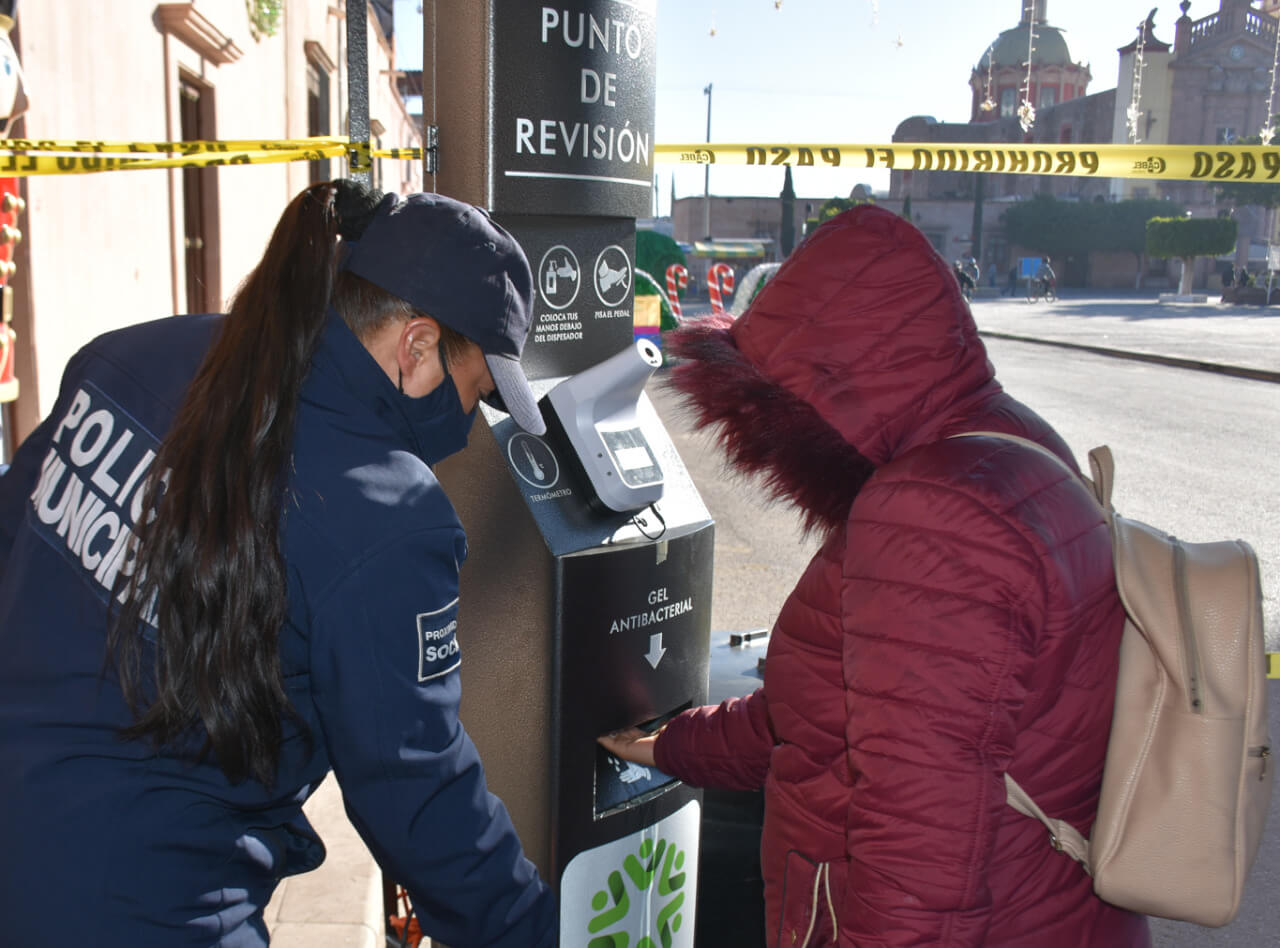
(109,843)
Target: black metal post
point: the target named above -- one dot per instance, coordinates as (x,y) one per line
(358,88)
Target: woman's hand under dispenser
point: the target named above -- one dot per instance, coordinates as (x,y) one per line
(632,743)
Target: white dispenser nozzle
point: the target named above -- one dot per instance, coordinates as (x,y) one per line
(597,410)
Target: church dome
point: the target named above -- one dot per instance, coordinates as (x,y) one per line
(1010,48)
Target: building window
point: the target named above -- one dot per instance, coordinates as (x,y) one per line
(1048,96)
(317,116)
(199,199)
(1008,103)
(319,69)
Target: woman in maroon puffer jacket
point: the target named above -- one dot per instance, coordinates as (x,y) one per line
(960,620)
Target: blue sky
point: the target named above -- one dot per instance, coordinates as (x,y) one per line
(842,71)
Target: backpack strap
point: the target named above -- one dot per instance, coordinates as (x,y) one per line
(1100,463)
(1103,467)
(1062,835)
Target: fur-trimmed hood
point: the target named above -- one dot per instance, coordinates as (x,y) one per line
(858,349)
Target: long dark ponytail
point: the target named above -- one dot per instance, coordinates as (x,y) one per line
(209,574)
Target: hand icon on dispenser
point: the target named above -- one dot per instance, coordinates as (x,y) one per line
(627,771)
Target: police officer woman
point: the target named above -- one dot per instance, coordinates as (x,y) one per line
(226,568)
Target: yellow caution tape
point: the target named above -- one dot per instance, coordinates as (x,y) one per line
(402,154)
(83,146)
(1273,664)
(1159,162)
(20,157)
(13,165)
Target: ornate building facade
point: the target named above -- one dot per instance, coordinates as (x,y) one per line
(1211,85)
(1001,80)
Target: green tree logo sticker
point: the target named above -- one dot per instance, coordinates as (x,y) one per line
(613,904)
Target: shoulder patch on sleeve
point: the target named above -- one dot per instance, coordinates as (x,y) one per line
(438,649)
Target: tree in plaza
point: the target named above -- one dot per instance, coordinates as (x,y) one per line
(906,207)
(1051,227)
(1122,227)
(1254,193)
(1187,238)
(1068,228)
(655,252)
(833,206)
(1260,194)
(836,205)
(787,236)
(1244,193)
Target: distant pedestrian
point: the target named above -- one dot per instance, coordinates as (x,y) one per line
(964,278)
(1011,287)
(1045,275)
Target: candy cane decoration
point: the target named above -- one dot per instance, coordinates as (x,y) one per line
(719,279)
(8,384)
(677,279)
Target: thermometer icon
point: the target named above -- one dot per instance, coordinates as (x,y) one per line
(538,472)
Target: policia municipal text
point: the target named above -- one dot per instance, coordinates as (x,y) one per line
(226,568)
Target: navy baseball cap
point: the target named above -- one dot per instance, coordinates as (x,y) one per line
(451,261)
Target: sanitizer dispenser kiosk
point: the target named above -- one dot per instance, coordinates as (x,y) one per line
(585,607)
(586,598)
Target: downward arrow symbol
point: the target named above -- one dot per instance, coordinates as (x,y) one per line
(656,651)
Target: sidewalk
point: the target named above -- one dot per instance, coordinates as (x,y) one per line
(1224,338)
(338,905)
(1211,336)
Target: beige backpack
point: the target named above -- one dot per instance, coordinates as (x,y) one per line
(1186,783)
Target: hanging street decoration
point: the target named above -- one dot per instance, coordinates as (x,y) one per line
(1134,112)
(1027,111)
(989,103)
(1269,129)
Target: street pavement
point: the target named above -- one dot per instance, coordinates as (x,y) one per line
(339,905)
(1225,338)
(1213,336)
